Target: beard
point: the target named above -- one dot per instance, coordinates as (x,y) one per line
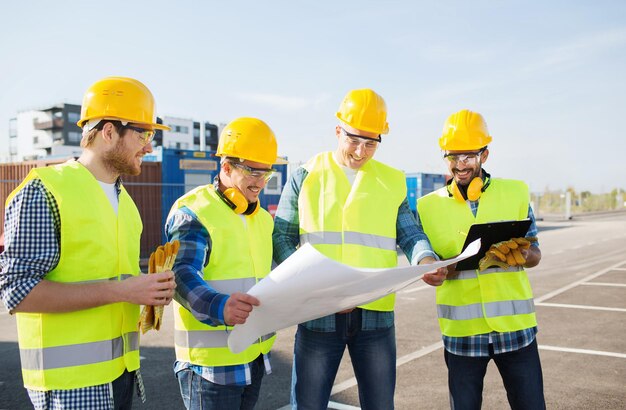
(117,160)
(475,173)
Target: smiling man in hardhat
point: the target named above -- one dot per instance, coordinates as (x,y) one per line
(487,313)
(70,269)
(353,209)
(225,248)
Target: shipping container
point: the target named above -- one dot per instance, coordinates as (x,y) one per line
(184,170)
(145,189)
(166,175)
(419,184)
(12,174)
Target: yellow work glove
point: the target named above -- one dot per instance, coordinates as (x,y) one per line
(506,253)
(160,260)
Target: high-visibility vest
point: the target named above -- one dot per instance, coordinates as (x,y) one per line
(241,255)
(93,346)
(477,302)
(352,224)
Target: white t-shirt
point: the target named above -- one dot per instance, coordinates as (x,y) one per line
(350,173)
(111,193)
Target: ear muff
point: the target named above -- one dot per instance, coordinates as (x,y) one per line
(474,189)
(236,200)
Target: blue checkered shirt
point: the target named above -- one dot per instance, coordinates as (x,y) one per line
(193,292)
(478,345)
(286,238)
(32,231)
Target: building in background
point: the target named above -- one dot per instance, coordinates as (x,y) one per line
(52,133)
(185,134)
(48,132)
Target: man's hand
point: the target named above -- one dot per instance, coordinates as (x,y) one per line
(155,289)
(452,272)
(514,252)
(238,307)
(437,277)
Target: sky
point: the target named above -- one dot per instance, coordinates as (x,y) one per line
(548,76)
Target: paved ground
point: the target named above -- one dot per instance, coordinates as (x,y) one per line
(580,292)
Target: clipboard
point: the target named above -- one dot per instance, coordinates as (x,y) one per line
(490,233)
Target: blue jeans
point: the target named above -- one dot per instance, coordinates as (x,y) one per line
(317,356)
(123,389)
(199,393)
(520,371)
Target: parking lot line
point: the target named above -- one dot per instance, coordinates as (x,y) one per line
(578,282)
(588,307)
(347,384)
(340,406)
(583,351)
(617,285)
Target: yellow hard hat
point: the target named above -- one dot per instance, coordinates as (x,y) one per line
(119,98)
(251,139)
(464,131)
(364,110)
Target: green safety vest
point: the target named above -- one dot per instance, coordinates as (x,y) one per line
(241,255)
(354,225)
(476,302)
(61,351)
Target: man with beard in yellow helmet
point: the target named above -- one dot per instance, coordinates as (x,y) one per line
(487,313)
(70,269)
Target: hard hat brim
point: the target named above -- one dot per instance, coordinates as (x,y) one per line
(153,126)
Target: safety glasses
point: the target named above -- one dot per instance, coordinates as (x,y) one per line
(145,136)
(256,173)
(356,140)
(466,158)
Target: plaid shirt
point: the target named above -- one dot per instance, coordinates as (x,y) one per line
(286,238)
(193,292)
(32,231)
(478,345)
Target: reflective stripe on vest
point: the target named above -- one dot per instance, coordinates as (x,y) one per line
(492,309)
(354,238)
(352,224)
(207,338)
(504,295)
(96,245)
(241,255)
(79,354)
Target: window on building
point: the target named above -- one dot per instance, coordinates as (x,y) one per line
(13,128)
(35,139)
(73,117)
(74,137)
(180,129)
